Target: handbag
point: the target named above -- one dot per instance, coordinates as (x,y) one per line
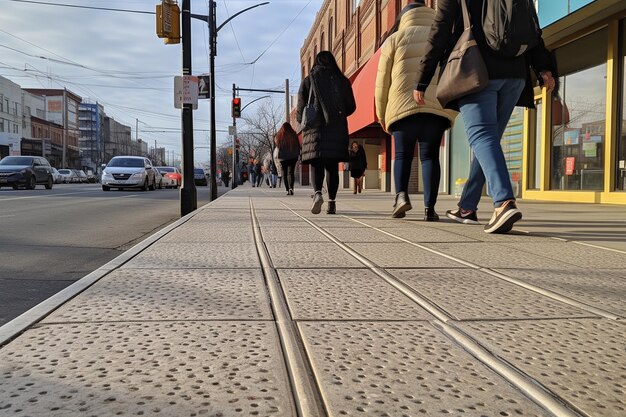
(465,72)
(309,115)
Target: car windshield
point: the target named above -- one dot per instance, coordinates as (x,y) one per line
(126,162)
(198,171)
(163,170)
(16,160)
(65,171)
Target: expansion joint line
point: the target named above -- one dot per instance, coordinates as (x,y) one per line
(308,398)
(542,291)
(531,388)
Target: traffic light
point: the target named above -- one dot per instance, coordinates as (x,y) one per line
(237,144)
(168,21)
(236,109)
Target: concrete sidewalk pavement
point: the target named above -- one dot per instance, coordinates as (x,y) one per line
(254,306)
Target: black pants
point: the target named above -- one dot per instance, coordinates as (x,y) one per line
(331,169)
(289,171)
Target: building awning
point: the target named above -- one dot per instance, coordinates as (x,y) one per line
(363,87)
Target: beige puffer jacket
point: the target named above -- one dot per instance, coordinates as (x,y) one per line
(397,71)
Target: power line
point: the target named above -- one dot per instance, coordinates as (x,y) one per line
(82,7)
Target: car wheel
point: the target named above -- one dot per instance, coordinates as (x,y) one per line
(49,183)
(106,188)
(32,183)
(15,187)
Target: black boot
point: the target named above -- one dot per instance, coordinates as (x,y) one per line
(430,215)
(332,208)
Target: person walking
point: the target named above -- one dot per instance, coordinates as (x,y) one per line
(400,115)
(487,112)
(358,165)
(259,172)
(326,144)
(251,172)
(288,151)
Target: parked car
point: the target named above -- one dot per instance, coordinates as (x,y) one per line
(200,177)
(80,174)
(25,171)
(128,172)
(67,175)
(171,177)
(56,176)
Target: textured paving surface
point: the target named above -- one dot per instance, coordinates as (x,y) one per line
(195,325)
(153,294)
(404,369)
(583,361)
(402,255)
(491,298)
(601,288)
(340,294)
(193,255)
(168,369)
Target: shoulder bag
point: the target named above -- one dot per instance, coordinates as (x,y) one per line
(465,73)
(309,115)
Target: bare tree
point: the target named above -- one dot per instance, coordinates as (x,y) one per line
(257,140)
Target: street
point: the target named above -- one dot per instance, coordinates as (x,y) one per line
(51,238)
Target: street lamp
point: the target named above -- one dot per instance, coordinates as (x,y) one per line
(213,29)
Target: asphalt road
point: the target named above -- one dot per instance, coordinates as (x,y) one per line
(51,238)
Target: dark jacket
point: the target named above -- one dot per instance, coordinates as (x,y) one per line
(447,29)
(334,101)
(358,159)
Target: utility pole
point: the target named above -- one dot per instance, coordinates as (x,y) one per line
(212,52)
(65,124)
(287,101)
(235,170)
(188,193)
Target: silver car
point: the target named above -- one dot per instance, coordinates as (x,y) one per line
(128,172)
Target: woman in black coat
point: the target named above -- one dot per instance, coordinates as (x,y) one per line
(326,144)
(358,165)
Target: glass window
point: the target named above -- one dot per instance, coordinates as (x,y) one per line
(579,115)
(621,146)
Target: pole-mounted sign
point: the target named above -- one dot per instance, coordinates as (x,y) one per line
(186,91)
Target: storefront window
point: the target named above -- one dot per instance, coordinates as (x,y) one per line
(579,115)
(621,146)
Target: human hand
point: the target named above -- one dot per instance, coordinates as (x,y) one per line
(418,96)
(548,80)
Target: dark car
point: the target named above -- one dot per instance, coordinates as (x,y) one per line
(25,171)
(199,177)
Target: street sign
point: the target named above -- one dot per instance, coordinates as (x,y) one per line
(186,91)
(232,130)
(204,86)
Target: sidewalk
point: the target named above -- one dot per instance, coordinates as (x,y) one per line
(253,306)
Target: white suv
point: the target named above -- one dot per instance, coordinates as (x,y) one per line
(128,172)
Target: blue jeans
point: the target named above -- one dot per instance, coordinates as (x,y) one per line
(427,129)
(486,115)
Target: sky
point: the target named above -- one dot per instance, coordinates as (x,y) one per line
(116,59)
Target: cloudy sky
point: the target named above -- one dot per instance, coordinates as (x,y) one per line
(116,59)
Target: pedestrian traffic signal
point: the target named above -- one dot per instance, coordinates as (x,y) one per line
(168,21)
(236,109)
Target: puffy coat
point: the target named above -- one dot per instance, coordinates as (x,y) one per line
(399,61)
(334,103)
